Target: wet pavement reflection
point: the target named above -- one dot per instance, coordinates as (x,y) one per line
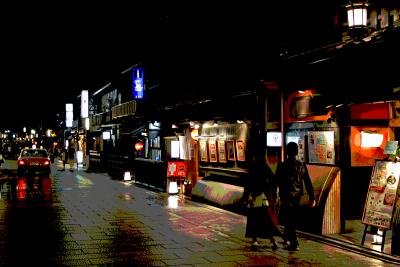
(75,218)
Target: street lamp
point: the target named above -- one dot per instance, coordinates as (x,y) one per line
(357,17)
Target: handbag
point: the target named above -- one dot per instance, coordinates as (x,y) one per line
(257,201)
(304,197)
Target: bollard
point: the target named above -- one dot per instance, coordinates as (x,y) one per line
(173,187)
(127,176)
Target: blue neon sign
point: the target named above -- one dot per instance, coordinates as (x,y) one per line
(138,83)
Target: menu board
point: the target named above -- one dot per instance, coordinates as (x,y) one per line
(321,147)
(177,169)
(381,197)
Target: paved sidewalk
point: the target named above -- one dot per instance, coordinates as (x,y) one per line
(96,221)
(188,233)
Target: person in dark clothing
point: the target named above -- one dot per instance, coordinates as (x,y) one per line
(71,157)
(289,177)
(260,223)
(63,157)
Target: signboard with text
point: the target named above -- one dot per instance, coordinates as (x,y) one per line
(138,83)
(177,169)
(381,197)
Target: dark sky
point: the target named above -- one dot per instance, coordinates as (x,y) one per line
(51,51)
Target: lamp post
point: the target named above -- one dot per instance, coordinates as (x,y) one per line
(357,12)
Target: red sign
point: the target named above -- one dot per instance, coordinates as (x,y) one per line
(177,169)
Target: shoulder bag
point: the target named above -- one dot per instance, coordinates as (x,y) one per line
(257,201)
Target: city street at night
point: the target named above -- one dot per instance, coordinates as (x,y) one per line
(182,134)
(90,219)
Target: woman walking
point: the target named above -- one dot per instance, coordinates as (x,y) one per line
(257,198)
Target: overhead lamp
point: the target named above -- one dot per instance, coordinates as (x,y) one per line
(357,18)
(357,14)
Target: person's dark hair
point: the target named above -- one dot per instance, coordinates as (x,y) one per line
(292,149)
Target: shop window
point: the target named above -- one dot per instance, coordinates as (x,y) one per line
(154,149)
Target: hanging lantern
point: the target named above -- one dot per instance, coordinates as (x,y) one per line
(357,14)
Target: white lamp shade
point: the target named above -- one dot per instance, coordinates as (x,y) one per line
(173,187)
(357,15)
(127,176)
(371,139)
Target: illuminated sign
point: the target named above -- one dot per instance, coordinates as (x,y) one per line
(137,83)
(106,135)
(69,109)
(274,139)
(85,103)
(175,149)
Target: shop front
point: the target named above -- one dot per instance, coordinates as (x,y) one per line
(309,123)
(222,162)
(149,166)
(367,210)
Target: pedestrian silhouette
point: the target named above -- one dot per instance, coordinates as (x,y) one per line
(71,157)
(258,200)
(63,157)
(289,178)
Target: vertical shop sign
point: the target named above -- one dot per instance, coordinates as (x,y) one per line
(85,104)
(69,114)
(138,83)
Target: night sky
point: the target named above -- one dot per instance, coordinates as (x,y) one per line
(52,51)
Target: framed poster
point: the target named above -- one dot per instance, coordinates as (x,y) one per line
(221,151)
(212,148)
(230,149)
(240,151)
(381,196)
(203,150)
(321,147)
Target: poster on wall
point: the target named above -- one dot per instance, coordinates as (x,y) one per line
(381,196)
(321,147)
(240,151)
(203,150)
(212,148)
(221,151)
(230,148)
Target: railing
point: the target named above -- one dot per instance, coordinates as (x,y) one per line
(101,118)
(124,109)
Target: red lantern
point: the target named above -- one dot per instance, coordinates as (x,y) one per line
(139,146)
